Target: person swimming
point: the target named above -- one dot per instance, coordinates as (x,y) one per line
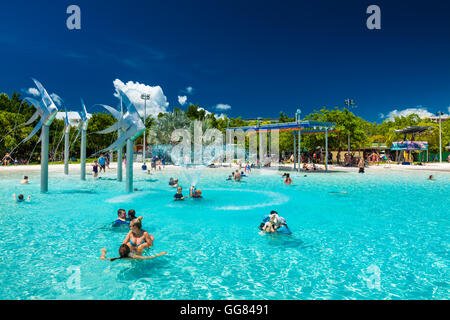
(21,198)
(121,219)
(178,196)
(124,253)
(338,192)
(230,177)
(431,177)
(131,215)
(197,194)
(138,239)
(273,223)
(25,180)
(174,183)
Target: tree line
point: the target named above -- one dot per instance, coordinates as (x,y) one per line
(14,112)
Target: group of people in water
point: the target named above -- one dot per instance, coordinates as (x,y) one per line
(236,176)
(193,193)
(136,240)
(273,223)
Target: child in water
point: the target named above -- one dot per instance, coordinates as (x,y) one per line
(95,169)
(20,198)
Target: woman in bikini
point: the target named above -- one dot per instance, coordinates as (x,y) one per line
(137,239)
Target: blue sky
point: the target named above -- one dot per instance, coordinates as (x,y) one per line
(258,57)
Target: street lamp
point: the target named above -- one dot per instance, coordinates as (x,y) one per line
(439,113)
(298,119)
(145,97)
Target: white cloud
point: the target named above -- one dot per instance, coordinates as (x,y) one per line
(381,115)
(74,117)
(221,116)
(182,100)
(222,106)
(420,111)
(157,103)
(33,92)
(56,99)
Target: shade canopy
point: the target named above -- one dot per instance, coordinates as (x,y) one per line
(413,130)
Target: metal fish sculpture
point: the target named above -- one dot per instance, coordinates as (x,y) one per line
(129,123)
(66,122)
(45,110)
(84,122)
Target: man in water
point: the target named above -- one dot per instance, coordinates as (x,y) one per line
(121,218)
(20,198)
(131,215)
(25,180)
(237,176)
(125,253)
(178,196)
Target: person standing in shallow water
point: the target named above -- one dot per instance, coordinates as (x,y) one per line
(287,179)
(102,162)
(361,165)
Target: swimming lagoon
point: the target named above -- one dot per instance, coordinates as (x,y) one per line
(386,238)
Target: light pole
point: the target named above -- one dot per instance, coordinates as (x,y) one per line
(439,113)
(298,119)
(261,153)
(145,97)
(228,144)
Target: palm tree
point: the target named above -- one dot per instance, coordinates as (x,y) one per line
(161,130)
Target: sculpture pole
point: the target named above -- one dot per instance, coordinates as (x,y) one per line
(119,159)
(119,152)
(66,150)
(45,111)
(129,173)
(44,158)
(83,154)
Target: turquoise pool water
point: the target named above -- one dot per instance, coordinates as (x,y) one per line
(387,238)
